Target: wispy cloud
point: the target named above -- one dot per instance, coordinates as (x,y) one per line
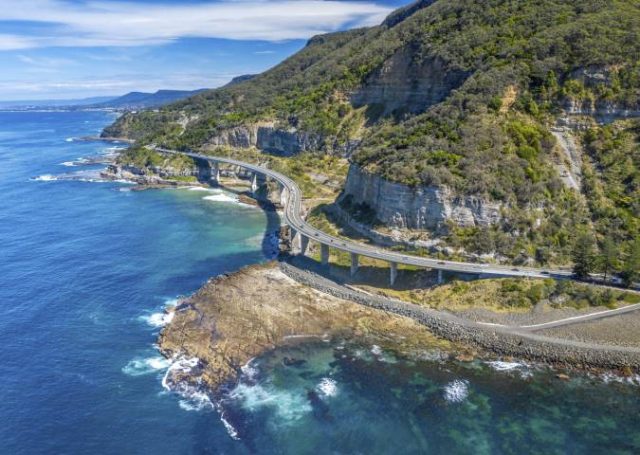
(264,52)
(102,23)
(45,62)
(115,84)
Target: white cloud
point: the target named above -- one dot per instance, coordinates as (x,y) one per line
(112,85)
(14,42)
(102,23)
(45,62)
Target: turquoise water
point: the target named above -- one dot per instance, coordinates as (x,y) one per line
(86,269)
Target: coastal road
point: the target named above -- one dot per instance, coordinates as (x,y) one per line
(293,218)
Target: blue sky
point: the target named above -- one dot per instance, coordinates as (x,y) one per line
(59,49)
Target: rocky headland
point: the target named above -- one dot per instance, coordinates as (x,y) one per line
(234,318)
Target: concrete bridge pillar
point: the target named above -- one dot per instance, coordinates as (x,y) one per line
(393,272)
(215,173)
(440,277)
(324,254)
(304,243)
(254,182)
(283,197)
(293,240)
(354,263)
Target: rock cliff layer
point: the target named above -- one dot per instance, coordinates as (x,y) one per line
(427,208)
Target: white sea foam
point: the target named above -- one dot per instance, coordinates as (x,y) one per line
(328,387)
(376,350)
(221,198)
(250,370)
(202,188)
(287,405)
(505,366)
(230,428)
(182,365)
(45,178)
(172,301)
(70,139)
(68,164)
(195,401)
(611,377)
(456,391)
(158,319)
(139,367)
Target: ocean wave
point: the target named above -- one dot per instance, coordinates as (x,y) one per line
(69,164)
(609,378)
(221,198)
(499,365)
(158,320)
(288,406)
(179,365)
(327,387)
(195,400)
(45,178)
(172,301)
(70,139)
(456,391)
(140,367)
(249,370)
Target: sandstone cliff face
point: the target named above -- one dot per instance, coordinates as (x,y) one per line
(602,110)
(427,208)
(270,138)
(404,85)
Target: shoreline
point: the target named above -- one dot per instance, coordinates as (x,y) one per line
(209,331)
(500,340)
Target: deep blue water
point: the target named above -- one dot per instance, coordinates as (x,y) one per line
(87,267)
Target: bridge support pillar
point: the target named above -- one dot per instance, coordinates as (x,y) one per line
(324,254)
(215,174)
(294,240)
(354,263)
(393,272)
(254,183)
(440,277)
(304,243)
(283,197)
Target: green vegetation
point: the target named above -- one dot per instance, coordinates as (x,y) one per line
(502,72)
(516,294)
(144,158)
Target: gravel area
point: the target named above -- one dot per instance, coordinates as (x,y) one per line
(538,315)
(621,330)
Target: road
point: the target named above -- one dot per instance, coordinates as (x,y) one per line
(293,218)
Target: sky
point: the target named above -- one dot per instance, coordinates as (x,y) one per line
(68,49)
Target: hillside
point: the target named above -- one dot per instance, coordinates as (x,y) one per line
(450,113)
(143,100)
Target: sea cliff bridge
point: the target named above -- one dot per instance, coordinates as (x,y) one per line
(302,232)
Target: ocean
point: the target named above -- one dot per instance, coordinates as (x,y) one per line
(86,269)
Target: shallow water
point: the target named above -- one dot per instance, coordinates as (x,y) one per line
(86,269)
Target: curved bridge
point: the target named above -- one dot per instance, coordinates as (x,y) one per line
(302,233)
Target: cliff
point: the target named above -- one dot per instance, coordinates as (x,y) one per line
(429,208)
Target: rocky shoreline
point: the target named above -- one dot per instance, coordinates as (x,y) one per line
(237,317)
(501,341)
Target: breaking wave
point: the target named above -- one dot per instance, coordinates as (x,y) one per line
(456,391)
(140,367)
